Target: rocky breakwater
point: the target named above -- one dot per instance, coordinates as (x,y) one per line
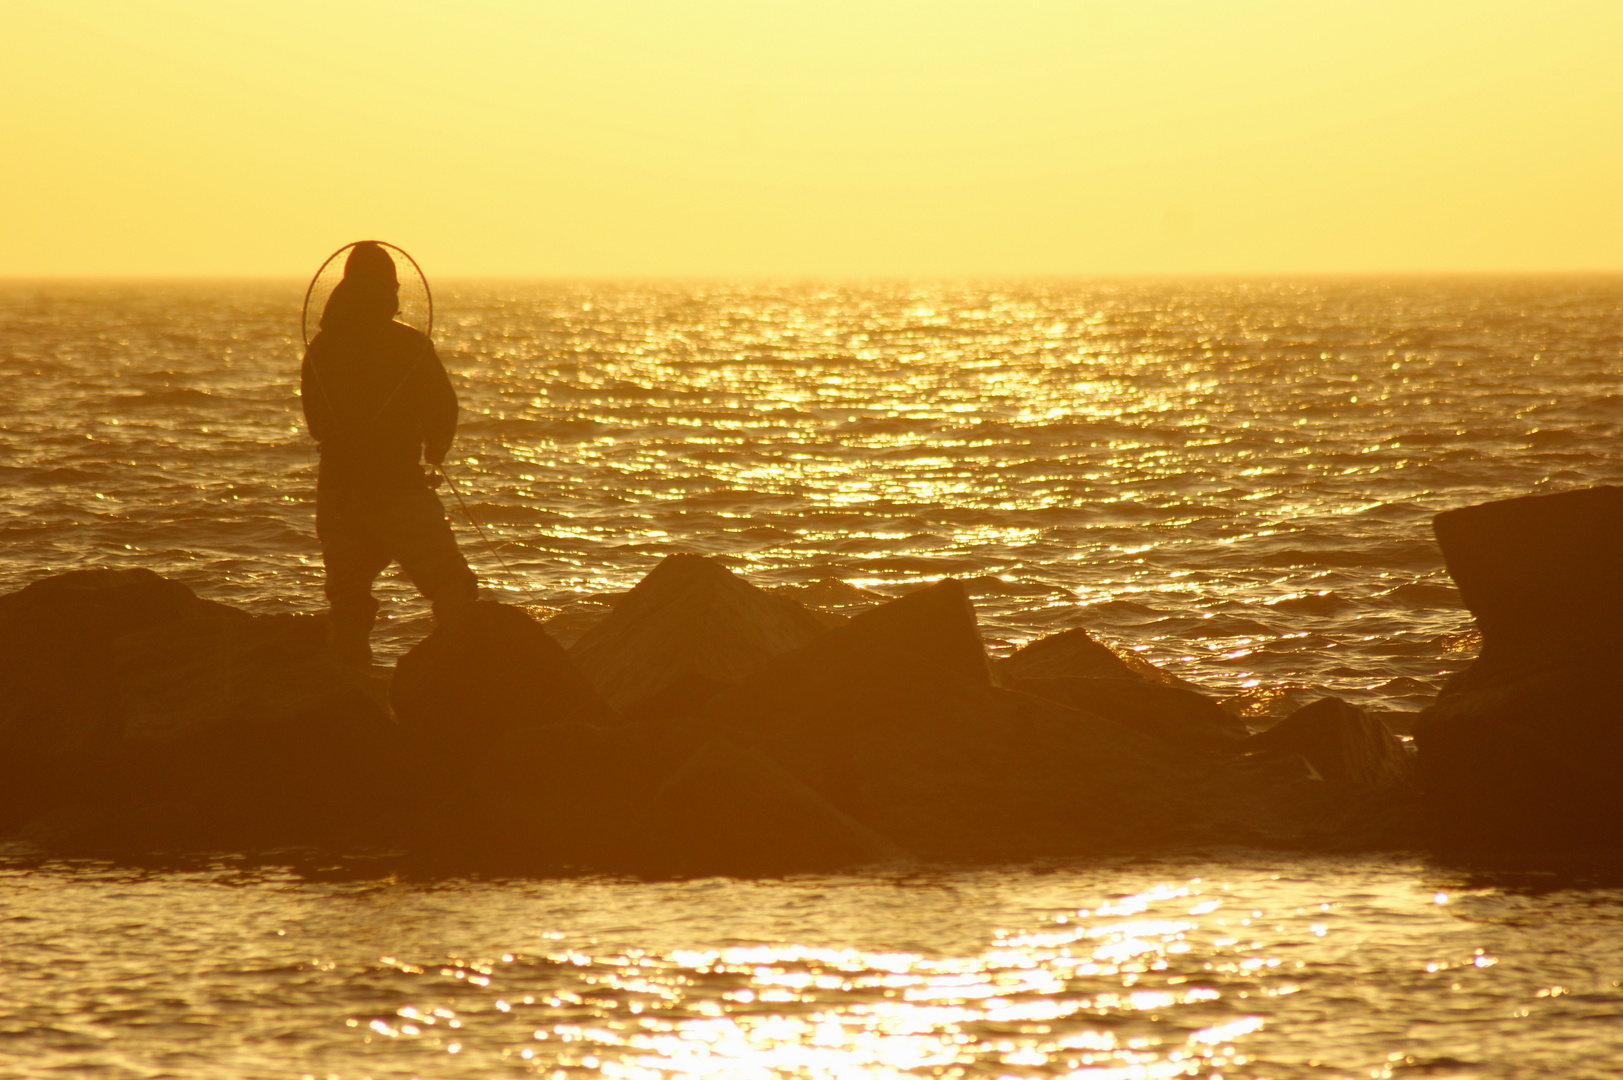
(703,726)
(1521,756)
(135,715)
(743,735)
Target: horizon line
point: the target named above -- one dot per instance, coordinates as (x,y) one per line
(846,279)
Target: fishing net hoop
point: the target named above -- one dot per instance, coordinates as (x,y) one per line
(410,275)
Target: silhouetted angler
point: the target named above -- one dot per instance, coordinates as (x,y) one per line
(377,400)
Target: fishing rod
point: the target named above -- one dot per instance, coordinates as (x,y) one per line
(467,513)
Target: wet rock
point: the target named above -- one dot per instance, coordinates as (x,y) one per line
(894,719)
(187,676)
(1167,712)
(494,670)
(58,691)
(1341,742)
(1075,653)
(566,627)
(551,798)
(1520,755)
(733,810)
(324,769)
(76,829)
(689,616)
(1525,767)
(1543,575)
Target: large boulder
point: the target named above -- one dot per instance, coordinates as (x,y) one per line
(1168,712)
(58,691)
(894,718)
(1526,767)
(234,731)
(1520,755)
(188,676)
(1341,742)
(1075,653)
(690,616)
(495,669)
(554,797)
(731,809)
(243,732)
(61,711)
(1543,575)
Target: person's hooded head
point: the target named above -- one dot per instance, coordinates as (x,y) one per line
(368,294)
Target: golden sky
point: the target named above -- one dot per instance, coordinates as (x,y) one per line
(818,138)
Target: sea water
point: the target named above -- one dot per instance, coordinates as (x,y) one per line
(1233,478)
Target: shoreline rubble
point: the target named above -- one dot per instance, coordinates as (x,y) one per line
(708,726)
(751,737)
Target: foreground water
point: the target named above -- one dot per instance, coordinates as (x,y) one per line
(1234,478)
(1234,967)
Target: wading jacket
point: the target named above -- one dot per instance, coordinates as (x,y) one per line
(376,398)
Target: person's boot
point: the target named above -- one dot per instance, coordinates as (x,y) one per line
(349,639)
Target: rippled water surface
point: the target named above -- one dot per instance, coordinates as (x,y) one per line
(1234,968)
(1234,478)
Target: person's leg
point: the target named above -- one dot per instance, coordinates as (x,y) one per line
(421,541)
(354,555)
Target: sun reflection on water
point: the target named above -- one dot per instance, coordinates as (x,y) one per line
(1135,987)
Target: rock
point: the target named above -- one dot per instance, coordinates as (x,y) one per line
(187,676)
(551,798)
(1520,755)
(733,810)
(1075,653)
(57,687)
(75,829)
(894,719)
(1526,768)
(690,615)
(566,627)
(1542,574)
(1341,742)
(1167,712)
(494,670)
(242,732)
(324,769)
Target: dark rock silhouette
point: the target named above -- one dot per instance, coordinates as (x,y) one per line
(551,798)
(733,810)
(1542,575)
(689,616)
(1075,653)
(1172,713)
(192,675)
(1519,757)
(167,721)
(492,670)
(894,719)
(753,740)
(56,641)
(1340,741)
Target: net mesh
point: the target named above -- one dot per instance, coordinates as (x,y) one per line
(416,303)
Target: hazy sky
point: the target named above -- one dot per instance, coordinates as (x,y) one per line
(711,137)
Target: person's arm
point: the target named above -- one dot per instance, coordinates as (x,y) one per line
(437,400)
(313,397)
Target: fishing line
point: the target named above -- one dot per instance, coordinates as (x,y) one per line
(467,513)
